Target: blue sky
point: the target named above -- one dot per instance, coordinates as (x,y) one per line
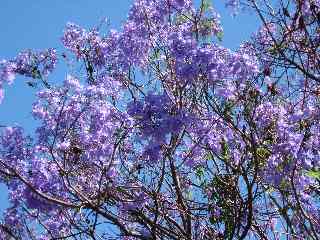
(38,24)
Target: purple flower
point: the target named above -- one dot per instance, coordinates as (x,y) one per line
(1,95)
(7,71)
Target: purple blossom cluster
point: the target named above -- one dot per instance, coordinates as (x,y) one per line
(88,45)
(36,65)
(7,75)
(309,7)
(157,119)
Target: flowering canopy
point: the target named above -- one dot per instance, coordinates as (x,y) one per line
(165,134)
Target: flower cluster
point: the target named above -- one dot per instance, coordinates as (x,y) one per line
(157,119)
(36,65)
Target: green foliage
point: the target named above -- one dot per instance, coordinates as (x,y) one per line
(205,5)
(221,197)
(220,36)
(263,155)
(209,156)
(183,18)
(225,152)
(200,172)
(313,174)
(36,73)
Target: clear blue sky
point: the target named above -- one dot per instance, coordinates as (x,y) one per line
(38,24)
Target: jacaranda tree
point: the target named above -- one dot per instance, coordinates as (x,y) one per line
(159,132)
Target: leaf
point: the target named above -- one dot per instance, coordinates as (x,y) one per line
(189,195)
(313,174)
(155,55)
(35,73)
(219,35)
(225,150)
(200,172)
(263,153)
(206,23)
(212,220)
(270,190)
(183,18)
(208,156)
(206,5)
(31,84)
(228,108)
